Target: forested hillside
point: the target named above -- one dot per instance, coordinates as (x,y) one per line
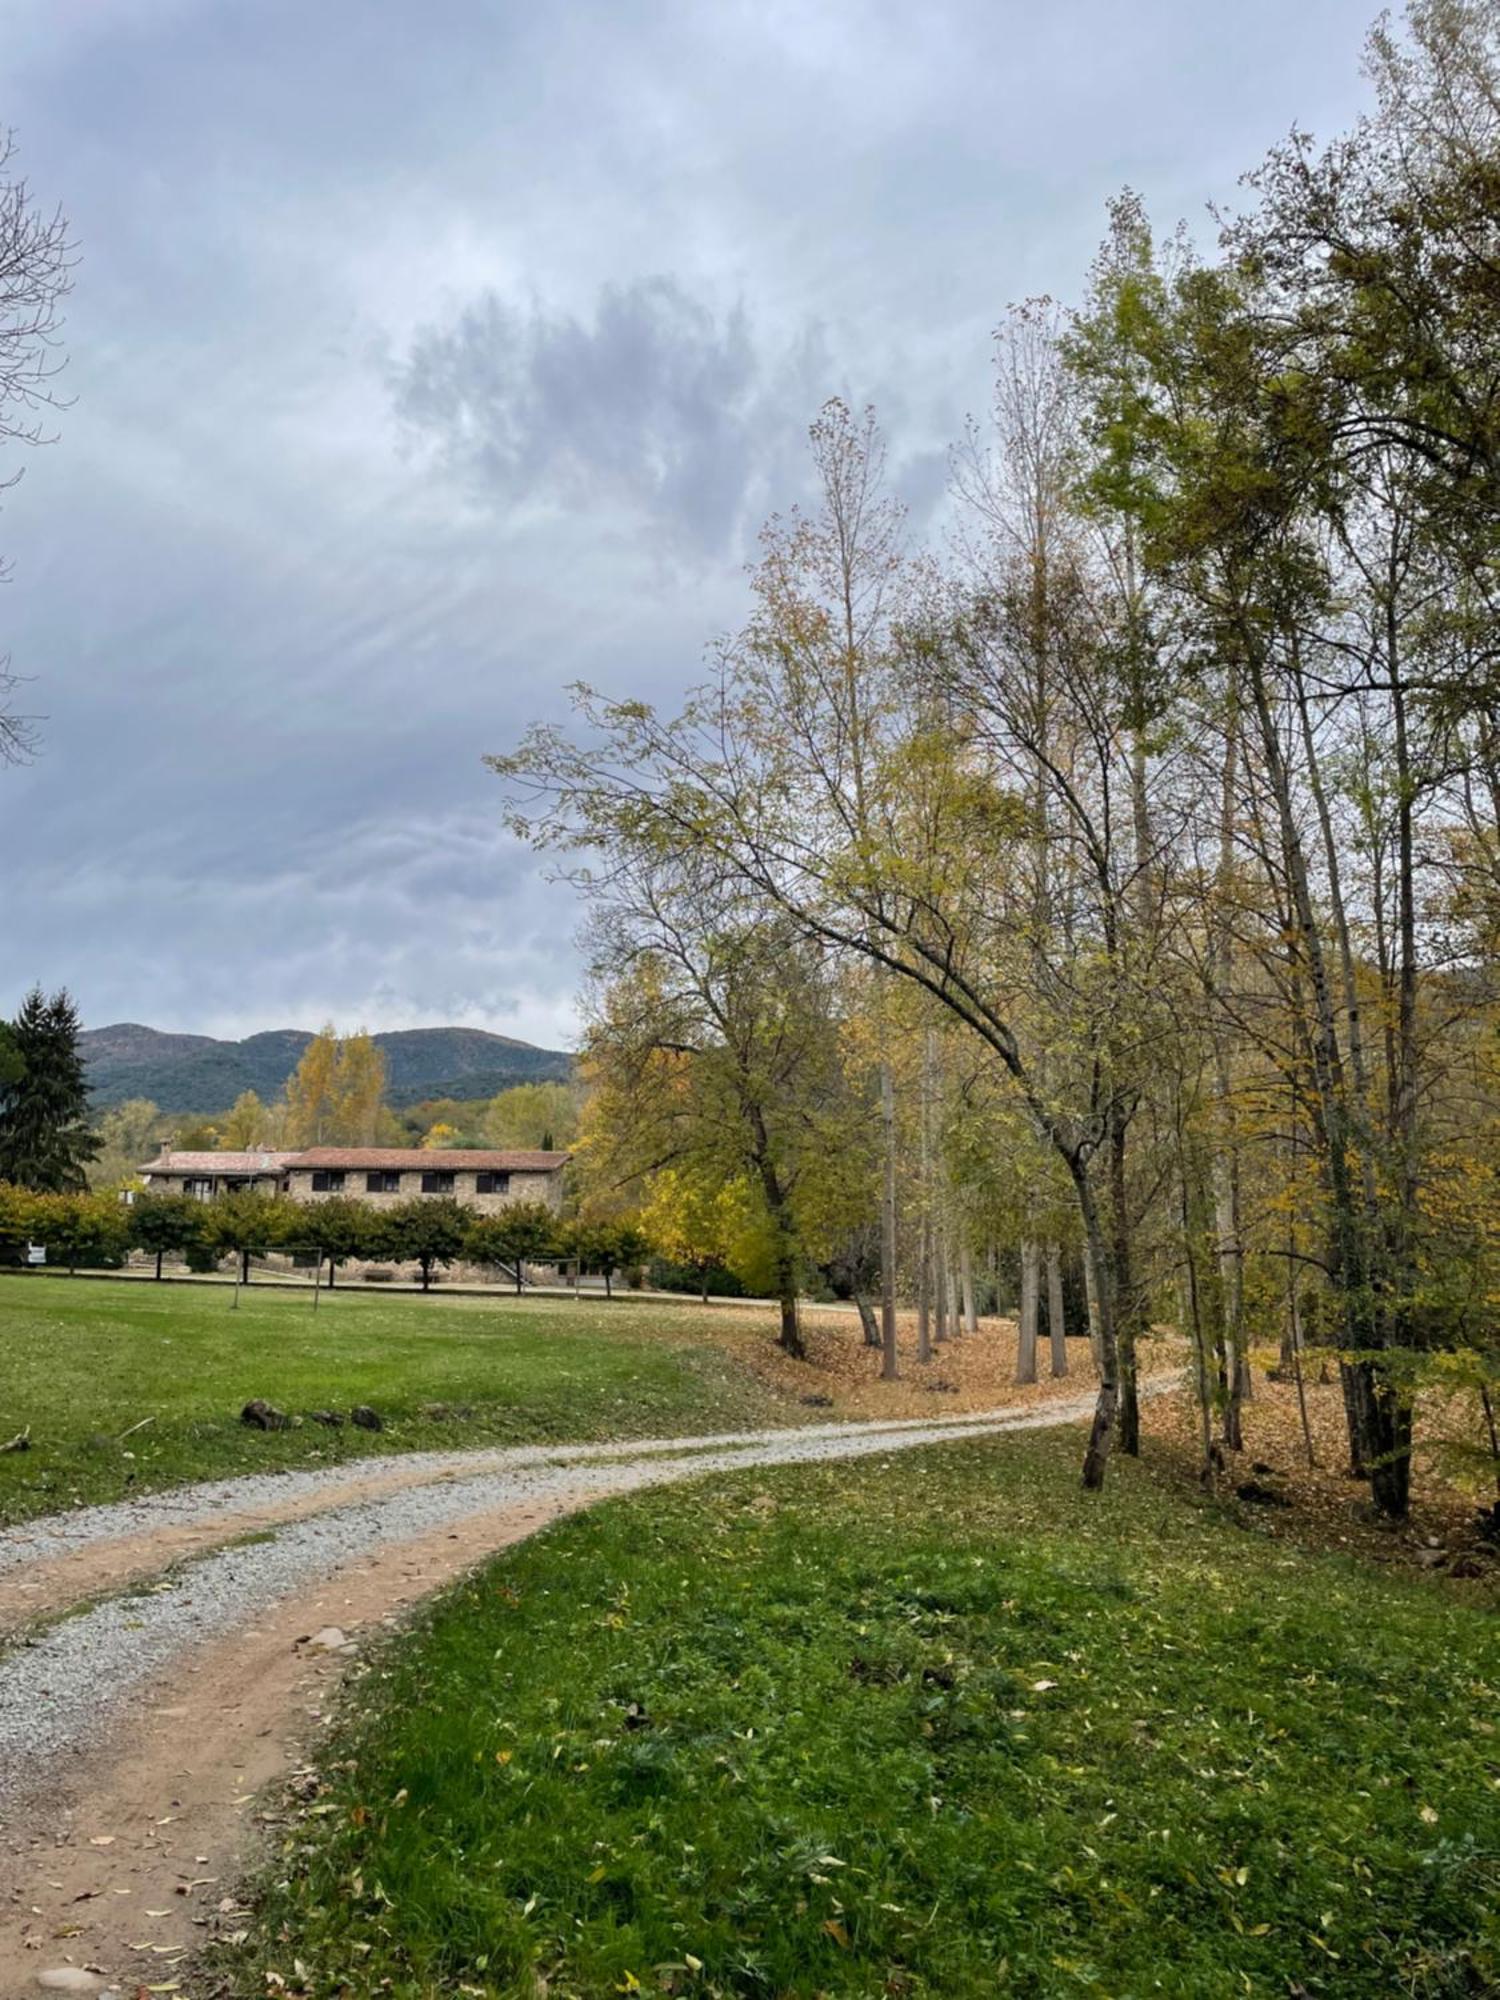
(197,1073)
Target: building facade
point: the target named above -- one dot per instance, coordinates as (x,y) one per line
(202,1176)
(383,1175)
(380,1175)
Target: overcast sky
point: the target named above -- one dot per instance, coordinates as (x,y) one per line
(427,358)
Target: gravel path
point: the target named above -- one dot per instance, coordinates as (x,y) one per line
(52,1535)
(58,1693)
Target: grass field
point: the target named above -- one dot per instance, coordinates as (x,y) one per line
(940,1725)
(82,1362)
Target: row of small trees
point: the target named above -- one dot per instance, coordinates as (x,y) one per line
(98,1230)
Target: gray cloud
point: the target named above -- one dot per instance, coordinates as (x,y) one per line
(622,250)
(654,404)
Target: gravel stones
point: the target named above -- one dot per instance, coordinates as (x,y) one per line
(63,1689)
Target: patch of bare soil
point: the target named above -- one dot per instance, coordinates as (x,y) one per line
(123,1870)
(972,1371)
(1320,1505)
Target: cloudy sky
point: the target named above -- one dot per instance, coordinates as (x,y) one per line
(427,358)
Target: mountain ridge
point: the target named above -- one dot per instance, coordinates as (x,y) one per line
(204,1073)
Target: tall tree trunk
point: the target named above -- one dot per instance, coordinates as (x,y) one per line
(925,1244)
(1092,1304)
(888,1355)
(1107,1403)
(1379,1422)
(868,1324)
(1031,1287)
(966,1280)
(1126,1305)
(1057,1332)
(158,1267)
(940,1286)
(784,1263)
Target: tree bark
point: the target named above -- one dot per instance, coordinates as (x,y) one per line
(888,1355)
(867,1321)
(1031,1286)
(966,1279)
(1106,1405)
(1056,1330)
(1122,1296)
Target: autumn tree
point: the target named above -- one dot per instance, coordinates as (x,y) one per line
(245,1126)
(336,1093)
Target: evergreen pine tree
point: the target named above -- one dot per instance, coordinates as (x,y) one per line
(45,1140)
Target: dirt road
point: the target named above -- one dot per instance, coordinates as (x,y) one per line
(137,1731)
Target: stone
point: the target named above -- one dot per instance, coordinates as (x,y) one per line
(69,1979)
(365,1418)
(263,1416)
(329,1640)
(332,1418)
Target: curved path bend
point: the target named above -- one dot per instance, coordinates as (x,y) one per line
(136,1731)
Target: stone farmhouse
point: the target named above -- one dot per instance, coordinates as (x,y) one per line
(379,1175)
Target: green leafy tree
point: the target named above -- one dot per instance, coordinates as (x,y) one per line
(533,1115)
(425,1230)
(525,1231)
(126,1140)
(694,1218)
(249,1223)
(606,1247)
(167,1224)
(17,1222)
(340,1229)
(45,1139)
(245,1126)
(88,1229)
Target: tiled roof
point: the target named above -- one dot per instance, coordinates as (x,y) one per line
(217,1163)
(394,1159)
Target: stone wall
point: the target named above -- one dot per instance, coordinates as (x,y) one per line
(523,1187)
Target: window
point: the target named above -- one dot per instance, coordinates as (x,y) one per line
(199,1190)
(382,1184)
(328,1183)
(492,1184)
(437,1183)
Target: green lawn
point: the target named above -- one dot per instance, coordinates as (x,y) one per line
(82,1361)
(939,1725)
